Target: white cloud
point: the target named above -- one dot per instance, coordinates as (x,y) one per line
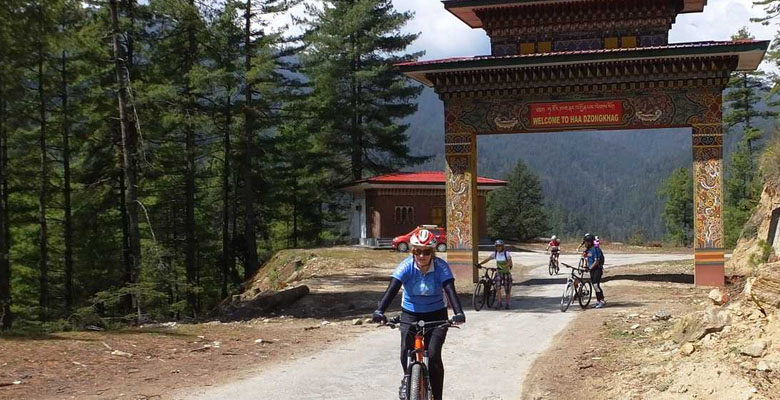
(443,35)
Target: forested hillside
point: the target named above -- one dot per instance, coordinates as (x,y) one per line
(603,182)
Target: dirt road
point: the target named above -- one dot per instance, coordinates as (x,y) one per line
(487,359)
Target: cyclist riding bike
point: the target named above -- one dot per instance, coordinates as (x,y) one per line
(554,247)
(425,279)
(503,278)
(595,259)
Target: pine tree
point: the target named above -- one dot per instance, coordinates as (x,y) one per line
(677,189)
(744,92)
(516,211)
(358,97)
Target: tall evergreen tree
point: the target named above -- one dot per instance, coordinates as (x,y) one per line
(516,211)
(742,184)
(358,97)
(677,189)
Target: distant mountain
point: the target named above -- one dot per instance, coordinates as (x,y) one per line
(601,182)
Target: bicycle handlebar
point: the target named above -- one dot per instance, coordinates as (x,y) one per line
(487,268)
(392,322)
(575,268)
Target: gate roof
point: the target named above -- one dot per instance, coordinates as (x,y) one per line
(746,54)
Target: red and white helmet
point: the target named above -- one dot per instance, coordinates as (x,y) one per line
(423,238)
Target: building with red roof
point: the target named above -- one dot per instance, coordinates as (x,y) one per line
(387,206)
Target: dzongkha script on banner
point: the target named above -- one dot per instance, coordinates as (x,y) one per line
(577,113)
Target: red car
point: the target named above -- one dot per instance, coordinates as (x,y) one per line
(401,243)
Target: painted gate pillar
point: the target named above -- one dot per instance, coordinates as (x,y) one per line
(461,182)
(709,257)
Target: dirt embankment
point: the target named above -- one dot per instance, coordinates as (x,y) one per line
(332,282)
(662,338)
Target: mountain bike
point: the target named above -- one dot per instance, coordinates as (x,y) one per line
(485,289)
(416,375)
(577,285)
(553,267)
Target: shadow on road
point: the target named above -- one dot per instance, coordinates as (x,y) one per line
(670,278)
(561,279)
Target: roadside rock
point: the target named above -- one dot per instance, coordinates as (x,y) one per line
(764,287)
(687,349)
(661,315)
(763,366)
(357,321)
(754,350)
(717,297)
(695,326)
(121,353)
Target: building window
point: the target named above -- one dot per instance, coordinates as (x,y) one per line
(438,214)
(544,47)
(611,43)
(404,215)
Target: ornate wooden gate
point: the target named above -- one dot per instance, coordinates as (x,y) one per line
(567,65)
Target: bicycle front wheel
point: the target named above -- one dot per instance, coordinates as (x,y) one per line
(418,390)
(567,297)
(585,292)
(479,295)
(551,268)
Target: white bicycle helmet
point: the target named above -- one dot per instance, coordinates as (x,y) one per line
(423,238)
(554,237)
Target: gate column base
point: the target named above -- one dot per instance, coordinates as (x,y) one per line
(709,267)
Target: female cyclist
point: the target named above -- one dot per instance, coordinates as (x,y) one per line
(425,278)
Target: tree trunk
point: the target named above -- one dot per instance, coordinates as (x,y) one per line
(127,264)
(67,189)
(129,145)
(250,266)
(226,239)
(189,178)
(6,318)
(43,245)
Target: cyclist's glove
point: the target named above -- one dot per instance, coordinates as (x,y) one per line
(459,318)
(379,317)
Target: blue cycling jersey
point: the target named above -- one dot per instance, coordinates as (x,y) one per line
(593,255)
(423,293)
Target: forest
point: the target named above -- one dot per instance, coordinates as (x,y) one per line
(154,153)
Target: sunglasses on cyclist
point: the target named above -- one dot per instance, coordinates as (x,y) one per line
(422,252)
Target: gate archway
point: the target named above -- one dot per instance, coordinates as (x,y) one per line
(568,65)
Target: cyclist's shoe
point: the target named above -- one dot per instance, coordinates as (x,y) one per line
(506,307)
(599,304)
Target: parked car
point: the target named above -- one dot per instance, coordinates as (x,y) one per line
(401,243)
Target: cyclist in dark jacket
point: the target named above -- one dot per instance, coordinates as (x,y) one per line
(595,259)
(425,278)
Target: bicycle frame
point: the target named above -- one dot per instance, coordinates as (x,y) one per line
(419,355)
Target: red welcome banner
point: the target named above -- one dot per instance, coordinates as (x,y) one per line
(576,113)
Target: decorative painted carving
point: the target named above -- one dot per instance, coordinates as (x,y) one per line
(459,198)
(708,185)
